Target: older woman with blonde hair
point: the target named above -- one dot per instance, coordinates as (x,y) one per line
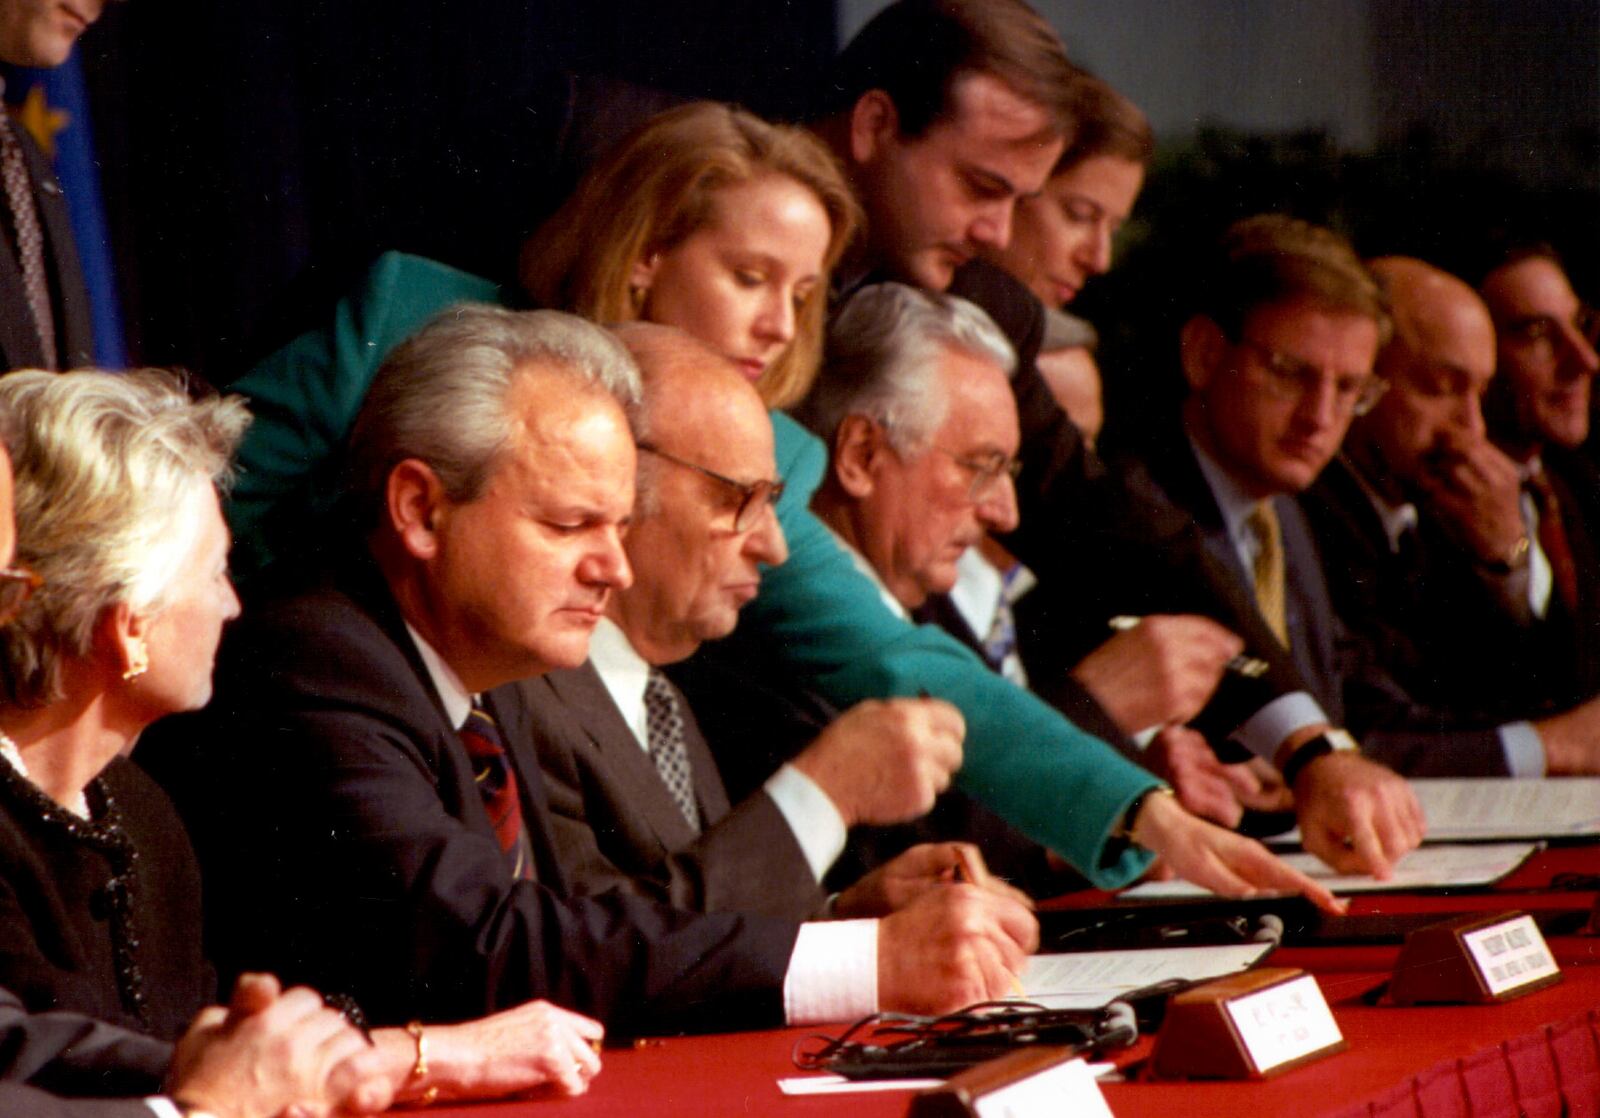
(121,591)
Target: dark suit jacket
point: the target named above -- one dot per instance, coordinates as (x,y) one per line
(1405,735)
(75,1055)
(345,844)
(1100,545)
(616,826)
(19,343)
(1574,635)
(1425,611)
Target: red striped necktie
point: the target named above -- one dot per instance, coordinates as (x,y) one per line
(491,769)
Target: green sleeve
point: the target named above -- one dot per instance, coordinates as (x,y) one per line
(1059,785)
(305,397)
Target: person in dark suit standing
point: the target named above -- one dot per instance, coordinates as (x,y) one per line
(363,791)
(44,305)
(1424,532)
(636,799)
(944,114)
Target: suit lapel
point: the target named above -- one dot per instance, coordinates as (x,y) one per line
(586,696)
(365,584)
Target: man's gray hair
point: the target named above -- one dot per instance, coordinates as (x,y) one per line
(441,395)
(880,362)
(110,469)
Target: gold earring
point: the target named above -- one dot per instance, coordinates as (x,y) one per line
(139,663)
(636,294)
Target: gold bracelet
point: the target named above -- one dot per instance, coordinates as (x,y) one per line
(419,1070)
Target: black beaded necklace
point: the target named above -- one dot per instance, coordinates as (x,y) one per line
(103,832)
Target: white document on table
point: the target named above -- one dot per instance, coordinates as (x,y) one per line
(1089,979)
(1470,809)
(1509,809)
(839,1085)
(1427,867)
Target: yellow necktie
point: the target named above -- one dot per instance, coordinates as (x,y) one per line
(1263,521)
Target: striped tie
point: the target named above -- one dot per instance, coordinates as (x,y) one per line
(491,769)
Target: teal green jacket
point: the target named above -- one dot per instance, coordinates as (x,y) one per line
(1057,784)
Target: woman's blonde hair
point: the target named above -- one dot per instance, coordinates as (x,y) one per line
(659,186)
(106,467)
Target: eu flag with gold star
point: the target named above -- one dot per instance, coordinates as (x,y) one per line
(54,106)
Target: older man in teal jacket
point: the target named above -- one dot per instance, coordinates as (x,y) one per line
(1057,784)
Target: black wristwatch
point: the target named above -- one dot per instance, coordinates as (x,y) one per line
(1329,741)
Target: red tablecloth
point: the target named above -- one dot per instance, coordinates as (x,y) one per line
(1538,1055)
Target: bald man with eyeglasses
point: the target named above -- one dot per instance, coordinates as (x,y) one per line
(636,799)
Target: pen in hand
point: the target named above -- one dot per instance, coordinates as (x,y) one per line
(1250,667)
(963,873)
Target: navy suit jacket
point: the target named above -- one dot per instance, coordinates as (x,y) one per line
(1401,733)
(344,843)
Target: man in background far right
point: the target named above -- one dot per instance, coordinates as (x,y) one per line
(1538,412)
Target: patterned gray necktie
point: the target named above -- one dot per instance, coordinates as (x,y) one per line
(28,236)
(664,727)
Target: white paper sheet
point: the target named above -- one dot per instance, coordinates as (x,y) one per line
(1428,867)
(1087,979)
(1507,809)
(839,1085)
(1470,809)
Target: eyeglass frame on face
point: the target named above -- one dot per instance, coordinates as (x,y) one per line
(986,470)
(20,581)
(1289,378)
(753,496)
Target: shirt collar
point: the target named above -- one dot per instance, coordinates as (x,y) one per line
(13,756)
(1234,503)
(623,671)
(453,693)
(871,573)
(1397,519)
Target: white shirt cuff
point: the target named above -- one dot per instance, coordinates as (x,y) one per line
(817,825)
(1265,730)
(833,973)
(163,1107)
(1524,750)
